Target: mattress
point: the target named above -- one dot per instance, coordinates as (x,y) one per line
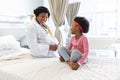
(25,67)
(11,51)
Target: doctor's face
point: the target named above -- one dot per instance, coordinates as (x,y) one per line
(42,18)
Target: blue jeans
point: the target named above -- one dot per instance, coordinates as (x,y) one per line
(67,54)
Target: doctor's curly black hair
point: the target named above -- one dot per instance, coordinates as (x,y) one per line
(41,9)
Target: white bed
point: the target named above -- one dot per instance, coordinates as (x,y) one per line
(22,66)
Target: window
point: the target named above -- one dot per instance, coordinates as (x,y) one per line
(103,15)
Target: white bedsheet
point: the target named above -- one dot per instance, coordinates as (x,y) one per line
(24,67)
(5,52)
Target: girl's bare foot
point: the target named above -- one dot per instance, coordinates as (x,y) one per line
(69,62)
(73,65)
(61,59)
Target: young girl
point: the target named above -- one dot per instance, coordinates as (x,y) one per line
(77,51)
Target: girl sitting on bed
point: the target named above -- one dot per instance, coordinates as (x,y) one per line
(77,51)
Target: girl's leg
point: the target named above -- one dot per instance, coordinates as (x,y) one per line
(75,55)
(65,53)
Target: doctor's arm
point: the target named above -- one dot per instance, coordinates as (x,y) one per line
(33,44)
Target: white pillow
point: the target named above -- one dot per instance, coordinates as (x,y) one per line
(9,43)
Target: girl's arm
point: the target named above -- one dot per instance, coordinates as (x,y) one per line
(70,44)
(86,50)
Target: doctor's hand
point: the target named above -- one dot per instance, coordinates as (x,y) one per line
(53,47)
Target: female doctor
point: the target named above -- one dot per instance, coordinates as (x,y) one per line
(39,37)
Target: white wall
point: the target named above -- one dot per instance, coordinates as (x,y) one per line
(15,7)
(10,13)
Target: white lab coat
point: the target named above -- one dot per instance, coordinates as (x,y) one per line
(39,40)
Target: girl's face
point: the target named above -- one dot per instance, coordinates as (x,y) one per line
(42,18)
(74,28)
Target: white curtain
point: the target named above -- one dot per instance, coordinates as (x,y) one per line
(72,11)
(58,10)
